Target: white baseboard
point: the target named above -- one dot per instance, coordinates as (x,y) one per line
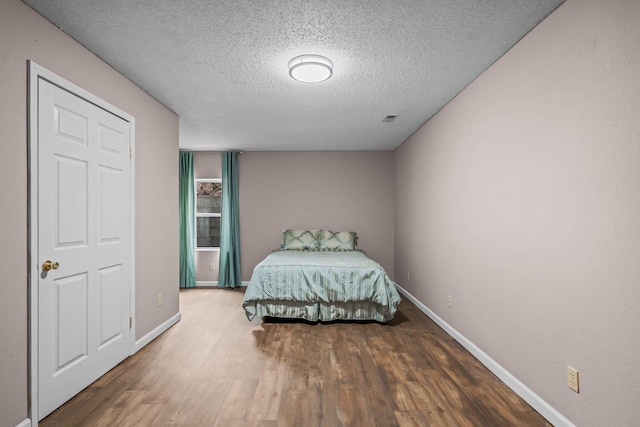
(25,423)
(208,284)
(539,404)
(155,333)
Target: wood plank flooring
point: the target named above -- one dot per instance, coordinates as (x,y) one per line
(215,368)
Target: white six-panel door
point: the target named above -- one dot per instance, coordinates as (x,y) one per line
(84,227)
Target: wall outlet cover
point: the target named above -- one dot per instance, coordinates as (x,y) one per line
(573,379)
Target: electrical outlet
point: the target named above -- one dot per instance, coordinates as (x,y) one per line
(212,267)
(573,379)
(449,301)
(160,300)
(408,276)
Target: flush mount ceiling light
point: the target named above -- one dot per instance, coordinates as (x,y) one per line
(310,68)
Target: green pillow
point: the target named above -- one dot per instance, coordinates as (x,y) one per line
(300,240)
(338,241)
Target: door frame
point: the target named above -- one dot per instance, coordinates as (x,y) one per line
(36,72)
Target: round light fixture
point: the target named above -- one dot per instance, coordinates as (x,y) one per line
(310,68)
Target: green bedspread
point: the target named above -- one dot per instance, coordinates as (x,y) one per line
(321,286)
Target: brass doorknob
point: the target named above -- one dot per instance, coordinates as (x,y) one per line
(50,265)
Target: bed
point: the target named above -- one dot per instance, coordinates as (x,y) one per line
(319,275)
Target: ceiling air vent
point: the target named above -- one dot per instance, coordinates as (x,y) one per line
(389,118)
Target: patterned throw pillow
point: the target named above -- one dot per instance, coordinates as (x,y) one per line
(338,241)
(300,240)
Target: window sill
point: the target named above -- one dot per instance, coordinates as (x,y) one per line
(207,249)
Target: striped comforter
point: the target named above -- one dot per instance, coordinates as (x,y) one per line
(321,286)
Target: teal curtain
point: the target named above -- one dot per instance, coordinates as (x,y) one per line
(187,264)
(229,273)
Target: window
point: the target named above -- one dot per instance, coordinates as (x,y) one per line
(207,213)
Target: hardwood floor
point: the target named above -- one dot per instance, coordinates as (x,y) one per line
(215,368)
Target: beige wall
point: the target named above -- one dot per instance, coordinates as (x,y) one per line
(351,191)
(25,35)
(342,190)
(207,164)
(521,200)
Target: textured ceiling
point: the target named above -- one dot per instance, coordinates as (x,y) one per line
(222,65)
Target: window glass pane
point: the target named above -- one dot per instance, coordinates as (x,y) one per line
(208,197)
(208,232)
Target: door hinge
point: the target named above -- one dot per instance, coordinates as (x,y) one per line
(130,322)
(131,152)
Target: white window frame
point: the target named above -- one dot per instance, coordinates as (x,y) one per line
(197,215)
